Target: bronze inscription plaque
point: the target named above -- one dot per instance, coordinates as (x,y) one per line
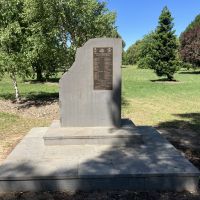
(103,68)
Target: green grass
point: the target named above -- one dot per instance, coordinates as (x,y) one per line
(28,89)
(13,127)
(6,119)
(146,100)
(162,103)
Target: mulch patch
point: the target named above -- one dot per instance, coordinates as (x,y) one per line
(103,195)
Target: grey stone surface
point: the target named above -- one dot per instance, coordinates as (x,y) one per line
(154,165)
(80,104)
(126,134)
(116,183)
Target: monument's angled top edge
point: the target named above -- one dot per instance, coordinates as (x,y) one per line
(94,40)
(104,40)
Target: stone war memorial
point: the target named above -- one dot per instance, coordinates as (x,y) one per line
(90,147)
(90,93)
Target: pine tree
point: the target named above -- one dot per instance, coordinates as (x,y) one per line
(165,49)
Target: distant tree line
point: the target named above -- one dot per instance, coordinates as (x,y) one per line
(163,52)
(40,37)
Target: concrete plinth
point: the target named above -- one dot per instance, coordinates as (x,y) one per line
(127,134)
(153,165)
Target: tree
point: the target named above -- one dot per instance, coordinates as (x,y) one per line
(146,51)
(115,34)
(132,53)
(194,23)
(86,19)
(12,40)
(165,56)
(44,48)
(161,52)
(57,28)
(190,43)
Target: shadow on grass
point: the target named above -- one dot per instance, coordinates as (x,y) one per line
(189,121)
(190,72)
(50,80)
(39,99)
(164,80)
(184,134)
(7,96)
(33,99)
(125,102)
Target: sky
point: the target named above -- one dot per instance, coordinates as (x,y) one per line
(136,18)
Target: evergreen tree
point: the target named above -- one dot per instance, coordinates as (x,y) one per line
(164,58)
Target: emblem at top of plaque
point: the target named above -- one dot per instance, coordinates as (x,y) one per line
(103,68)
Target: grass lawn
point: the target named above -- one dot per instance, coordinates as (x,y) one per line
(30,90)
(160,103)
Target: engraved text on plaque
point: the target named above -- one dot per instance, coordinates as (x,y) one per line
(103,68)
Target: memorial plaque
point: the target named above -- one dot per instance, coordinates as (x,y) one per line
(103,68)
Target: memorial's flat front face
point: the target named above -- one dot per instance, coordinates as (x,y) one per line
(103,68)
(90,92)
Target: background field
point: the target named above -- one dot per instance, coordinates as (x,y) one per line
(171,107)
(152,101)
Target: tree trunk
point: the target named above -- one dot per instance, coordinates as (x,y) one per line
(14,80)
(39,74)
(170,77)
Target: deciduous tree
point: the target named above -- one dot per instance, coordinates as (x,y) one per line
(190,43)
(12,39)
(132,53)
(146,52)
(57,28)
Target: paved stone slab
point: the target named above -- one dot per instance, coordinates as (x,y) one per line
(154,165)
(125,135)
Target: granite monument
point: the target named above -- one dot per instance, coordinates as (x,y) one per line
(90,92)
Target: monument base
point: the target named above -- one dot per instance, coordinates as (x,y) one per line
(154,165)
(128,134)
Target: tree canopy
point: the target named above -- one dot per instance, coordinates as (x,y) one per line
(190,43)
(12,41)
(132,53)
(41,36)
(57,28)
(146,52)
